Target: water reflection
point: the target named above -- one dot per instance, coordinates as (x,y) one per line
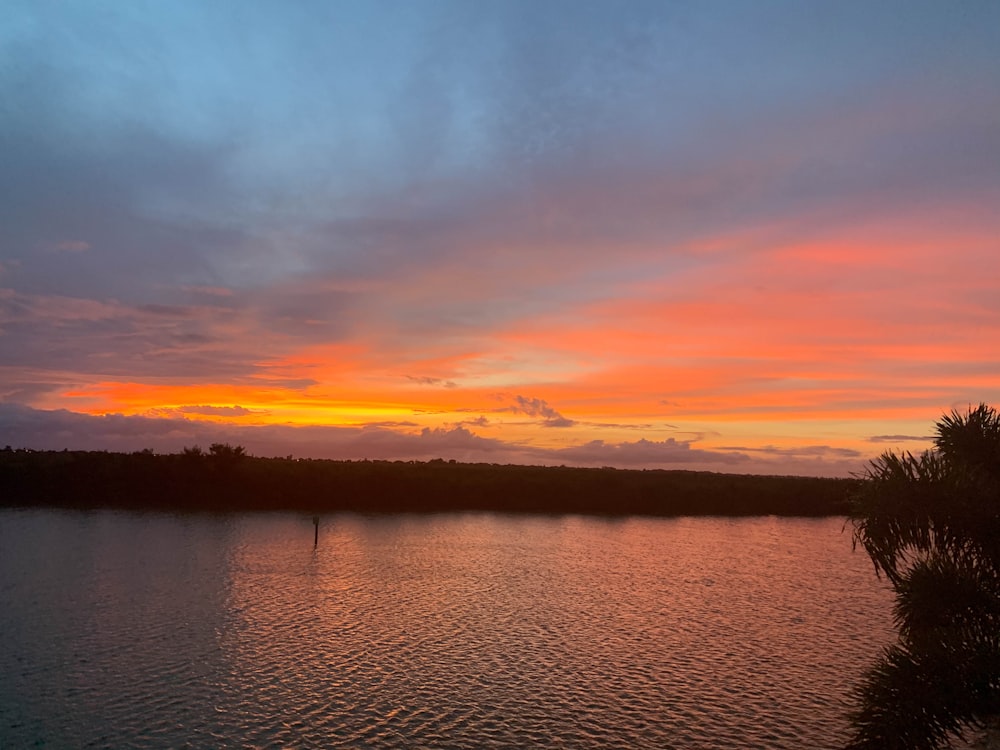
(457,631)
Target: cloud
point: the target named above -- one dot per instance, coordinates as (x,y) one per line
(216,411)
(536,407)
(73,246)
(513,133)
(901,438)
(109,338)
(57,429)
(17,386)
(427,380)
(208,291)
(815,460)
(629,426)
(798,451)
(644,452)
(24,427)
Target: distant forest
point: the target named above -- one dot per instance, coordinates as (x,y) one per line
(226,479)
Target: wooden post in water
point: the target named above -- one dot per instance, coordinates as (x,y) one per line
(315,531)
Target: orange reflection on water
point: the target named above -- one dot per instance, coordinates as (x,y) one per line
(557,628)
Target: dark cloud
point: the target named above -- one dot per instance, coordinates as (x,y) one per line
(804,451)
(302,312)
(809,460)
(647,453)
(536,407)
(167,311)
(17,391)
(631,426)
(427,380)
(55,430)
(66,191)
(901,439)
(73,246)
(597,120)
(109,338)
(186,164)
(217,411)
(23,427)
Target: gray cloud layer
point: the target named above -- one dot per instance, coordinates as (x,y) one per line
(200,144)
(23,427)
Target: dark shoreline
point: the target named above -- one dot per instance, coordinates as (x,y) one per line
(231,482)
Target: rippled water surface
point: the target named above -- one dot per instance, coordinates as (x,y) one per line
(451,631)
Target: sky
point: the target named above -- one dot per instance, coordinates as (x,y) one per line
(750,237)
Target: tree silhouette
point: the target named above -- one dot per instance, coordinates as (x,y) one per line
(225,451)
(224,457)
(931,525)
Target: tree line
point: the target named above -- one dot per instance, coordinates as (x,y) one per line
(226,478)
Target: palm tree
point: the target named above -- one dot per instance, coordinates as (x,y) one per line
(931,525)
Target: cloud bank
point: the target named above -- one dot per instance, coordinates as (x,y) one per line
(23,427)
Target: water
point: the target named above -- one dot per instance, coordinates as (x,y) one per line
(446,631)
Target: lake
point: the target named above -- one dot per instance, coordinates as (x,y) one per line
(432,631)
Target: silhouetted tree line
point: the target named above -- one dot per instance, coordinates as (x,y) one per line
(226,478)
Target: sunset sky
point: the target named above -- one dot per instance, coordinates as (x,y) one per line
(755,237)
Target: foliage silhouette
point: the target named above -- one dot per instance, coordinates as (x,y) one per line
(225,451)
(931,525)
(226,478)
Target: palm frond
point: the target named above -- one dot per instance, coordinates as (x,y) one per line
(931,525)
